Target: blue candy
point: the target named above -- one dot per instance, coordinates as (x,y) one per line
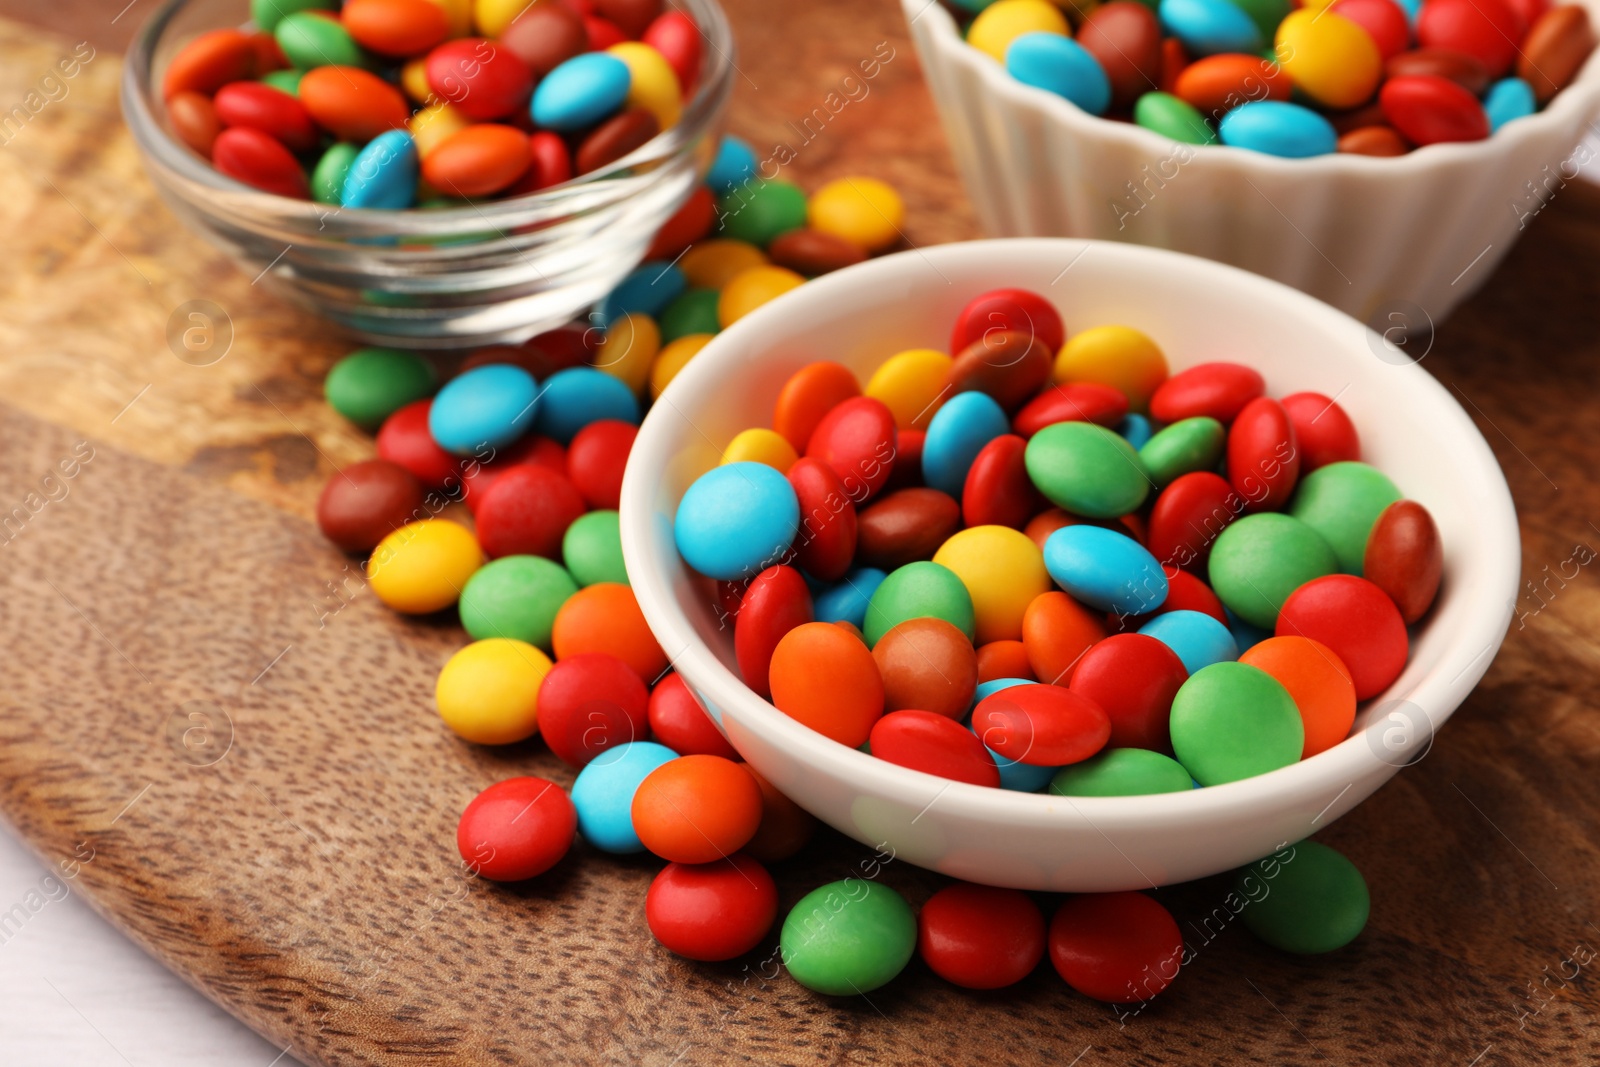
(1062,66)
(847,601)
(1278,128)
(383,175)
(1412,8)
(1105,569)
(1197,638)
(956,434)
(603,793)
(647,290)
(1210,27)
(1135,429)
(736,519)
(1507,99)
(735,164)
(581,92)
(1019,777)
(491,406)
(577,396)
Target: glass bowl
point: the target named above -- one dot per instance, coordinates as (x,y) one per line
(493,272)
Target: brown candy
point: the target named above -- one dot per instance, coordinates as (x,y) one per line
(1466,71)
(1124,36)
(1362,117)
(544,36)
(361,504)
(1374,141)
(615,138)
(1404,557)
(812,252)
(904,527)
(632,17)
(1008,365)
(1555,49)
(929,665)
(194,120)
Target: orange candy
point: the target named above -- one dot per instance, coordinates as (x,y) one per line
(809,394)
(927,665)
(1057,631)
(209,62)
(194,120)
(697,809)
(605,617)
(1218,84)
(785,826)
(396,27)
(823,677)
(1318,681)
(1003,659)
(353,104)
(477,160)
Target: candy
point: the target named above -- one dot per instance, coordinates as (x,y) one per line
(1002,571)
(1404,558)
(808,396)
(314,40)
(678,721)
(1330,58)
(1061,66)
(488,692)
(979,937)
(1509,99)
(1341,502)
(1117,947)
(590,704)
(735,164)
(1172,118)
(477,161)
(752,288)
(526,512)
(516,829)
(1215,84)
(1487,30)
(864,211)
(1355,619)
(258,160)
(1121,772)
(1384,20)
(652,84)
(365,501)
(1133,678)
(1319,683)
(934,744)
(1318,903)
(1557,45)
(785,827)
(1016,310)
(266,14)
(923,589)
(696,809)
(421,567)
(1105,569)
(824,677)
(712,911)
(926,664)
(857,441)
(997,491)
(1373,141)
(1278,128)
(194,120)
(849,937)
(370,384)
(261,107)
(1086,469)
(677,38)
(956,434)
(1188,516)
(813,252)
(1323,432)
(776,602)
(673,358)
(630,347)
(488,406)
(1466,71)
(1263,457)
(847,601)
(1003,659)
(596,457)
(615,139)
(592,549)
(1115,356)
(1233,721)
(516,597)
(736,519)
(383,175)
(1041,725)
(1008,365)
(1187,446)
(1125,38)
(759,211)
(1196,638)
(1207,27)
(1428,109)
(1001,23)
(1056,632)
(827,541)
(1217,390)
(694,311)
(605,617)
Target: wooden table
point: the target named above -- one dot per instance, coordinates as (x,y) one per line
(299,867)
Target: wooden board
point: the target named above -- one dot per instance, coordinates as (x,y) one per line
(306,877)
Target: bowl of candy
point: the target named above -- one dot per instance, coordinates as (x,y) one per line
(1381,155)
(430,175)
(1068,565)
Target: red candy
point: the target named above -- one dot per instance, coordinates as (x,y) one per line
(1185,592)
(1009,309)
(1487,30)
(678,721)
(590,704)
(1404,557)
(1008,365)
(272,111)
(1188,516)
(261,161)
(980,937)
(998,491)
(1041,725)
(1383,20)
(527,512)
(1077,402)
(1121,948)
(404,439)
(1263,456)
(479,78)
(1322,429)
(856,439)
(596,459)
(1429,109)
(934,744)
(550,163)
(808,396)
(712,911)
(1358,621)
(1132,678)
(476,478)
(516,829)
(691,222)
(777,601)
(1220,390)
(602,33)
(209,62)
(677,38)
(826,542)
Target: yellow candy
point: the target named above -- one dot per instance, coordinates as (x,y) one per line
(414,80)
(629,349)
(911,385)
(1003,571)
(654,86)
(1001,23)
(673,358)
(864,211)
(432,125)
(458,13)
(751,289)
(713,264)
(1329,58)
(760,445)
(493,16)
(488,692)
(1118,356)
(422,567)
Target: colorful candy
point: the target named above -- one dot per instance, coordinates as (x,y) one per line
(848,937)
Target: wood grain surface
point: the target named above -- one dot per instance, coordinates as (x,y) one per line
(230,746)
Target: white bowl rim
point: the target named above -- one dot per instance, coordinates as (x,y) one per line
(1326,774)
(1583,93)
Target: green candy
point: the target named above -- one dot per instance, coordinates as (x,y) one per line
(695,311)
(1266,14)
(1341,502)
(592,549)
(1087,469)
(327,177)
(516,597)
(760,211)
(1186,446)
(848,937)
(317,41)
(1306,899)
(370,384)
(285,81)
(1259,560)
(919,590)
(266,14)
(1233,721)
(1171,117)
(1122,772)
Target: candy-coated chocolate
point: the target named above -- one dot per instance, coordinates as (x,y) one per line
(1121,948)
(905,526)
(488,692)
(679,722)
(1429,109)
(776,601)
(1259,560)
(848,938)
(1197,638)
(1062,66)
(934,744)
(1318,901)
(1317,680)
(1404,557)
(603,793)
(1008,365)
(1086,469)
(808,396)
(919,590)
(605,617)
(589,705)
(526,512)
(857,440)
(1133,677)
(696,809)
(516,597)
(1355,619)
(980,937)
(824,677)
(1557,45)
(1041,725)
(926,664)
(1122,772)
(1263,455)
(1056,632)
(956,434)
(998,491)
(1073,402)
(421,567)
(736,520)
(1125,37)
(1233,721)
(365,501)
(712,911)
(1323,430)
(1341,502)
(516,829)
(1219,390)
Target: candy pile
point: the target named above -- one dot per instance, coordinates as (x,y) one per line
(400,103)
(1372,77)
(1044,562)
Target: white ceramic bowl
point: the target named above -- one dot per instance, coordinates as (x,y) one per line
(1393,241)
(1197,311)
